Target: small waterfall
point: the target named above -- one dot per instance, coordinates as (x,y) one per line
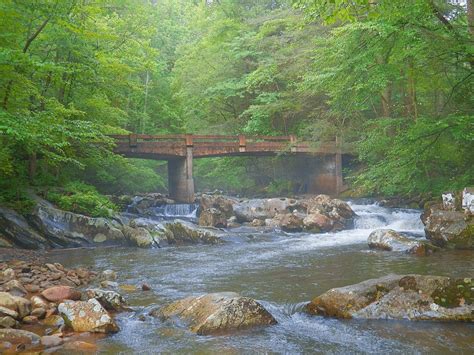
(159,209)
(187,210)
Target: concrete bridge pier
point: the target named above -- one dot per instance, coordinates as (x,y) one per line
(180,178)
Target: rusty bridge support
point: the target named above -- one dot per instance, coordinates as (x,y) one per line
(180,176)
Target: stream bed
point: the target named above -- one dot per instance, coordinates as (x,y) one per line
(283,271)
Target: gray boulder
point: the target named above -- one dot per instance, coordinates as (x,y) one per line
(412,297)
(69,229)
(449,229)
(217,313)
(139,237)
(248,210)
(184,233)
(15,232)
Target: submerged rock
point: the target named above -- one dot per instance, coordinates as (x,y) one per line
(182,233)
(87,316)
(450,229)
(388,239)
(217,313)
(17,336)
(413,297)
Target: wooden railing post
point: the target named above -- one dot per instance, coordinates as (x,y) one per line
(189,140)
(292,143)
(242,143)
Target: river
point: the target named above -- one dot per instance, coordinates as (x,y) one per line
(283,271)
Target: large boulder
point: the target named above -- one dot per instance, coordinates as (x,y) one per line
(139,237)
(184,233)
(450,229)
(338,211)
(390,240)
(413,297)
(147,203)
(67,229)
(317,222)
(15,232)
(212,217)
(87,316)
(248,210)
(217,313)
(290,222)
(219,202)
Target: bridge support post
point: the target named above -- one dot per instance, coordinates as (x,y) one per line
(180,178)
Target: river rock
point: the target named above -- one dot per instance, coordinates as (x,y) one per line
(317,222)
(388,239)
(449,229)
(413,297)
(49,341)
(217,313)
(60,293)
(8,322)
(67,229)
(7,312)
(338,211)
(290,222)
(87,316)
(18,304)
(16,232)
(108,275)
(139,237)
(183,233)
(144,204)
(110,300)
(248,210)
(15,288)
(223,204)
(212,217)
(39,302)
(17,336)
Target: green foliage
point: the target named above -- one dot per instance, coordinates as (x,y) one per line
(387,74)
(426,156)
(81,198)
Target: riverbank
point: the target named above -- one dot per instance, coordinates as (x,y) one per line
(282,270)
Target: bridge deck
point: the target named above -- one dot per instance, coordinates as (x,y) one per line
(175,146)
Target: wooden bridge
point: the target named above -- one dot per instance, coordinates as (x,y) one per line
(180,150)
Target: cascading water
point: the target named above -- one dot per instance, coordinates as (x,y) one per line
(182,210)
(283,271)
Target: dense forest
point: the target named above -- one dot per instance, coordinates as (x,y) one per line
(393,77)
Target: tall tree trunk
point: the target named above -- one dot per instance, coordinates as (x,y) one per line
(386,96)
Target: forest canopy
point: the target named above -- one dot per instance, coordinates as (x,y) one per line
(393,77)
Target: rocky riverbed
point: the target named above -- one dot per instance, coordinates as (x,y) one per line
(230,267)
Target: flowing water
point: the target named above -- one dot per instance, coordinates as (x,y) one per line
(283,271)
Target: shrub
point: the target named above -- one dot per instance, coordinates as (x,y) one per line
(81,198)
